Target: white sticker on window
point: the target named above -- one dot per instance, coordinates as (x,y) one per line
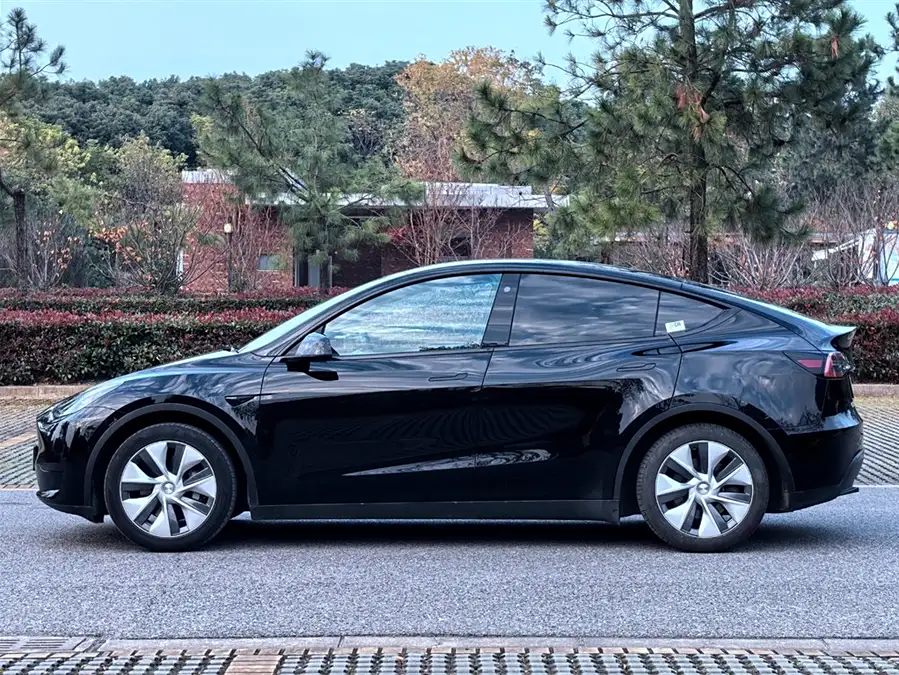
(675,326)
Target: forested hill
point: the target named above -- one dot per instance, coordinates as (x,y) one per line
(111,111)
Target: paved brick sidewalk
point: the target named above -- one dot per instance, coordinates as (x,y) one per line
(881,465)
(881,443)
(17,437)
(451,661)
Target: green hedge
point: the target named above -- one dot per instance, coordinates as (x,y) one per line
(67,347)
(827,305)
(876,345)
(131,332)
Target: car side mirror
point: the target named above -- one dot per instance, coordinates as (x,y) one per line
(314,347)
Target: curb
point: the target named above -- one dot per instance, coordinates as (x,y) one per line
(885,648)
(445,644)
(868,390)
(55,392)
(40,392)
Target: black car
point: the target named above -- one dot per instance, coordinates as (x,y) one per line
(488,389)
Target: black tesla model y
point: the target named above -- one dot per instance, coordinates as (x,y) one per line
(487,389)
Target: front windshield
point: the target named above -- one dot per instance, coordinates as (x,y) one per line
(310,314)
(290,325)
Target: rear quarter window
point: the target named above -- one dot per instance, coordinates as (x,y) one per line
(674,309)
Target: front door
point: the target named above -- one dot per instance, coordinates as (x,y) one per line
(391,417)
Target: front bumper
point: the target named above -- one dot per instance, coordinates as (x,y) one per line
(91,513)
(59,460)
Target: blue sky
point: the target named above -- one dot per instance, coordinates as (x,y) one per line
(157,38)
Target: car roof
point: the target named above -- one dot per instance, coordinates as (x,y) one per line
(536,265)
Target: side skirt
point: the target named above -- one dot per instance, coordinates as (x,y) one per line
(583,509)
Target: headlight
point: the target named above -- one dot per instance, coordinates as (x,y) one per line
(78,402)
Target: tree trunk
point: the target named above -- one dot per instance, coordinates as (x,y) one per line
(699,170)
(699,240)
(18,201)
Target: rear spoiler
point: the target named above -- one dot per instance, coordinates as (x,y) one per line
(840,337)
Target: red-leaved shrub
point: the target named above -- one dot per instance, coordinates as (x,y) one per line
(99,301)
(81,335)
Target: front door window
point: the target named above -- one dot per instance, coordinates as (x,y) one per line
(440,314)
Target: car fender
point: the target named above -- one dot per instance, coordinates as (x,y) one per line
(184,408)
(690,409)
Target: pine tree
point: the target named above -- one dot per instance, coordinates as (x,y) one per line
(304,160)
(24,61)
(690,103)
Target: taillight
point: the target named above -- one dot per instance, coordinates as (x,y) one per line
(826,364)
(837,365)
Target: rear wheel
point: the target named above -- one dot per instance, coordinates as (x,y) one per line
(170,487)
(703,488)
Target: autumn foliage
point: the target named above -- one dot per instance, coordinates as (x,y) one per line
(440,97)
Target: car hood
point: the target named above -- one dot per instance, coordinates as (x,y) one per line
(93,395)
(188,362)
(175,367)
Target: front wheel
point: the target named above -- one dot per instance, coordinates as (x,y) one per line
(703,488)
(170,487)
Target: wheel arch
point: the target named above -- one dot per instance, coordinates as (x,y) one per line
(156,413)
(780,475)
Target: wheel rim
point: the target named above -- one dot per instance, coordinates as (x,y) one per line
(704,489)
(168,489)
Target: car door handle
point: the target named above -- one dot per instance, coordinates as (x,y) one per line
(647,365)
(448,378)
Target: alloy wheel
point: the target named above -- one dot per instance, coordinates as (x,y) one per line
(168,488)
(704,489)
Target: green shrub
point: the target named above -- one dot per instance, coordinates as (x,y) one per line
(84,336)
(875,346)
(49,346)
(827,304)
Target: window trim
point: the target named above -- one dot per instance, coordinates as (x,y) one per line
(281,344)
(502,314)
(319,327)
(575,343)
(408,355)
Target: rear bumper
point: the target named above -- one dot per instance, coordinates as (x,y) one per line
(824,463)
(805,498)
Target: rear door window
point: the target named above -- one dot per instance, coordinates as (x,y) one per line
(678,313)
(554,309)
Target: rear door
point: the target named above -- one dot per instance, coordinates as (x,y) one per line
(583,361)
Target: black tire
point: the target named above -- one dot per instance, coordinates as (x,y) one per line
(653,513)
(222,468)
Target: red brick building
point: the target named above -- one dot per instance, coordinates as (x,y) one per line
(452,221)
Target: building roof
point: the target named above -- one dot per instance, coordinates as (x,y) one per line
(206,176)
(444,194)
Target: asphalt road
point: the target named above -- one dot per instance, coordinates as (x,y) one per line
(830,571)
